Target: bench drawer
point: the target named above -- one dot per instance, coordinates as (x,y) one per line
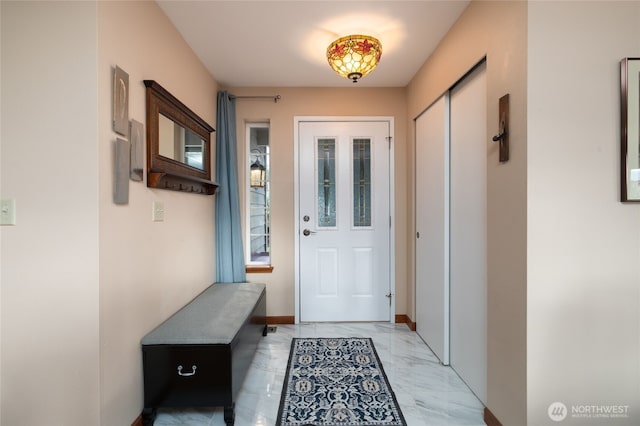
(170,378)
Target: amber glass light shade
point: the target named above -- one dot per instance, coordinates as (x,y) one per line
(354,56)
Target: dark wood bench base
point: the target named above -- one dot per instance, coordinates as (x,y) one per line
(201,375)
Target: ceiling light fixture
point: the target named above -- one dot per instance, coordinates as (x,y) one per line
(354,56)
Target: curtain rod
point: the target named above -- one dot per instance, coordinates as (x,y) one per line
(275,98)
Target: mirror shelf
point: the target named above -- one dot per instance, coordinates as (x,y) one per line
(176,182)
(178,144)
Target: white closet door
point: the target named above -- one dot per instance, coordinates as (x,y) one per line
(468,234)
(432,228)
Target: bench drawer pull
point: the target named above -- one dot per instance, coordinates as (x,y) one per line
(180,373)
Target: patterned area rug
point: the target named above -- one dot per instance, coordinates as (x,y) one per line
(339,381)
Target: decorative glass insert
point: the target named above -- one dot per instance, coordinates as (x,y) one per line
(326,158)
(361,182)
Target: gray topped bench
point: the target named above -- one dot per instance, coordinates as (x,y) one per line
(200,355)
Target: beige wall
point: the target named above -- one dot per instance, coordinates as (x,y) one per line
(1,195)
(351,101)
(49,263)
(82,279)
(148,269)
(583,244)
(497,30)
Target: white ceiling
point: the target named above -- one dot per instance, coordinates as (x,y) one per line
(283,43)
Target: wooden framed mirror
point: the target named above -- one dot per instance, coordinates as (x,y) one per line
(178,144)
(630,129)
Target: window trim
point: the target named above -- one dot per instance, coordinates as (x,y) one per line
(258,269)
(253,267)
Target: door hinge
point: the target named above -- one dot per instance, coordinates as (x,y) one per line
(389,296)
(389,140)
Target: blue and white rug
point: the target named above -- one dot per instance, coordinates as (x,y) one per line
(336,382)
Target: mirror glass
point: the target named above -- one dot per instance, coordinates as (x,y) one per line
(180,144)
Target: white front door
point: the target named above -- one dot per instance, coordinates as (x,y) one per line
(344,214)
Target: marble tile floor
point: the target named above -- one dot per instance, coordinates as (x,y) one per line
(429,394)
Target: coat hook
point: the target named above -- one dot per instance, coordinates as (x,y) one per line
(503,135)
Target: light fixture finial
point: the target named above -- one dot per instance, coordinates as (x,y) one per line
(354,56)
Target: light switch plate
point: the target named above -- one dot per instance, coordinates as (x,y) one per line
(7,211)
(158,211)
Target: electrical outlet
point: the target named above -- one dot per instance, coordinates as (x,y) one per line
(7,212)
(157,214)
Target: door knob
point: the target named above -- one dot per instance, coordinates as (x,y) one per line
(306,232)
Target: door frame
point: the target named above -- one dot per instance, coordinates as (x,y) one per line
(297,120)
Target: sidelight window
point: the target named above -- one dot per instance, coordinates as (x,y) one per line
(258,198)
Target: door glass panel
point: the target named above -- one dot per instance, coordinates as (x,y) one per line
(326,198)
(361,182)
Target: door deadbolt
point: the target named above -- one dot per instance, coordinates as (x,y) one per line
(306,218)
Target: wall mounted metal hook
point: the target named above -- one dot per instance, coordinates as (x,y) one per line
(502,133)
(503,136)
